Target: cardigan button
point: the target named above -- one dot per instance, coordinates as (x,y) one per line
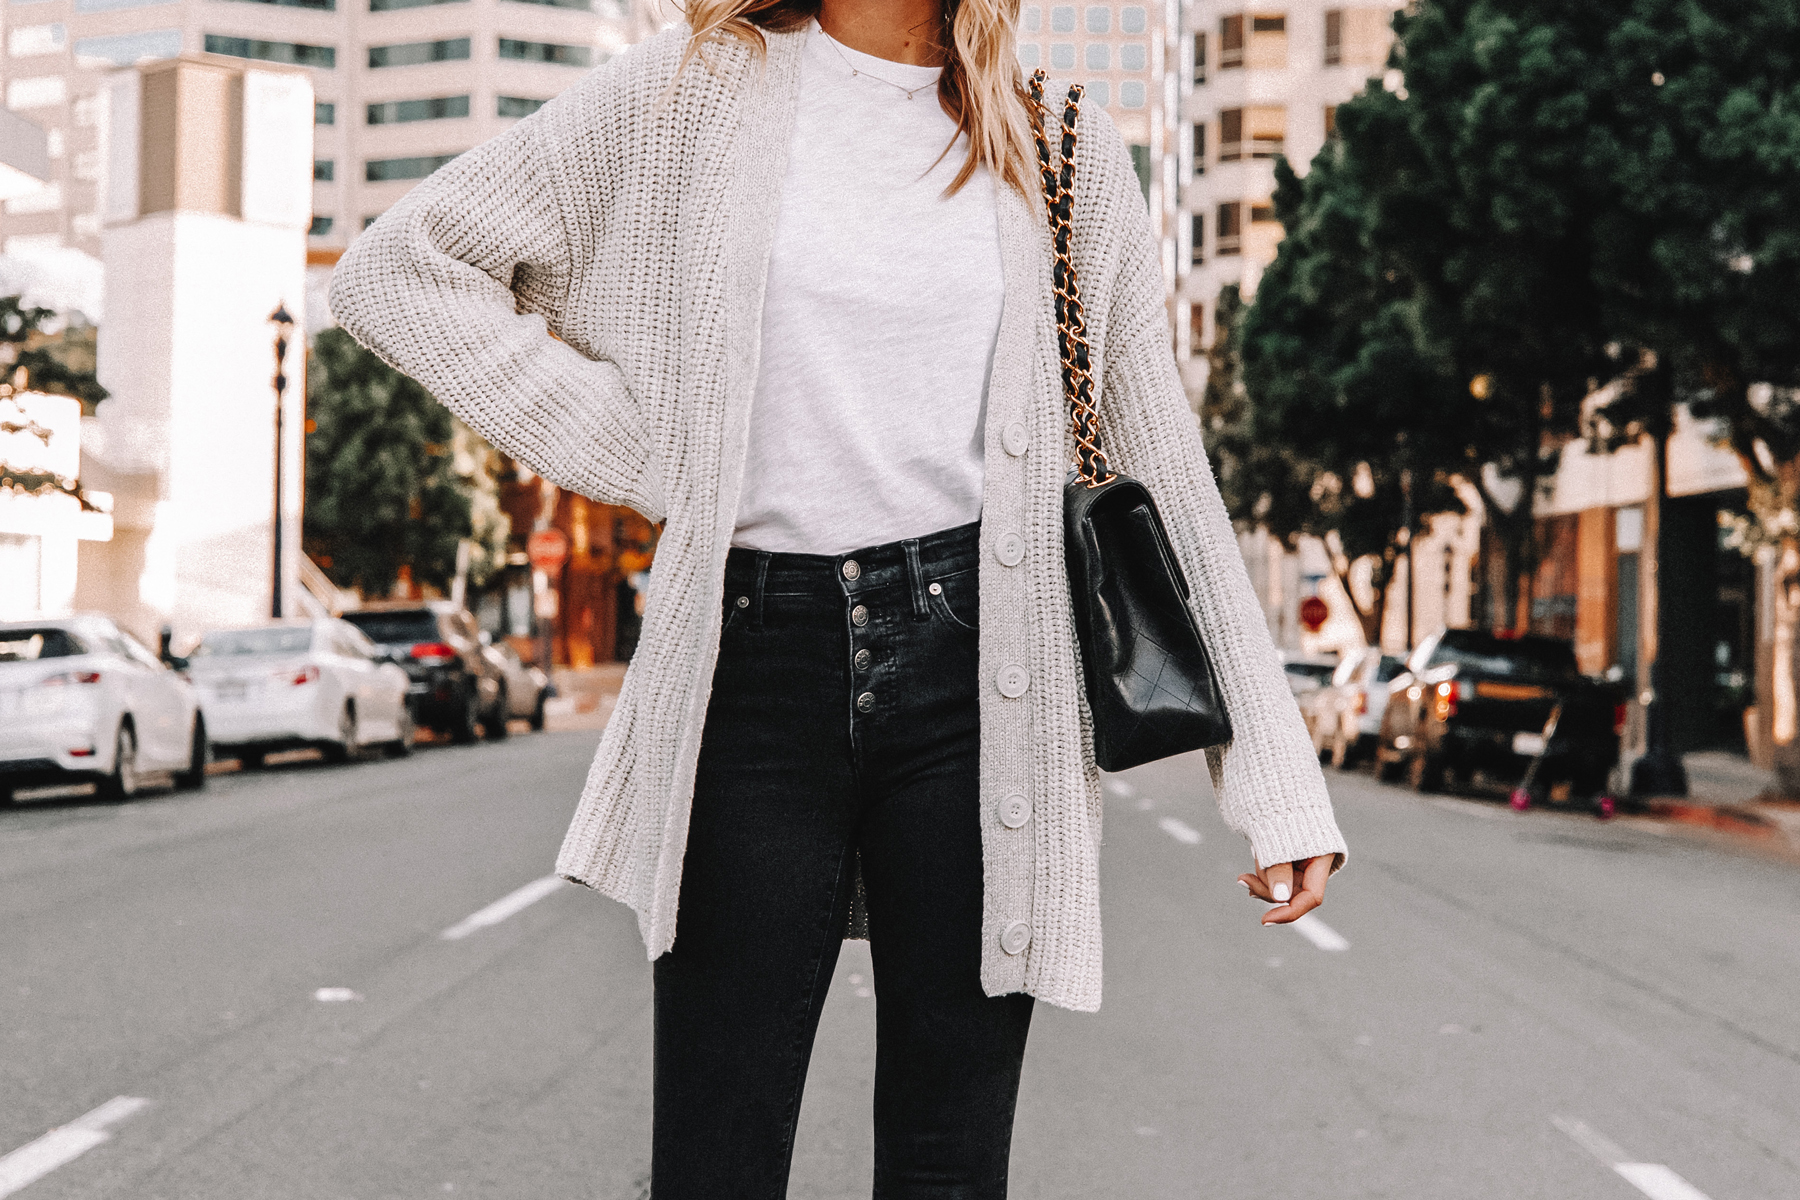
(1015,810)
(1010,549)
(1014,439)
(1013,680)
(1015,937)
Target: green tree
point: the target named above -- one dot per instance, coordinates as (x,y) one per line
(382,490)
(33,358)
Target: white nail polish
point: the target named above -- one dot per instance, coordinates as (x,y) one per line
(1282,892)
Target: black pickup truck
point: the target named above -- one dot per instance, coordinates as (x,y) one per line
(1471,699)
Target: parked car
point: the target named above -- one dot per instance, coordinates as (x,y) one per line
(525,688)
(1306,672)
(454,688)
(81,700)
(1471,699)
(1344,717)
(298,684)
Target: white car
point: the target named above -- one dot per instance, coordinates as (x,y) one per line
(297,684)
(81,700)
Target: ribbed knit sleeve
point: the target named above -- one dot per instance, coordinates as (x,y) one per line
(459,284)
(1267,779)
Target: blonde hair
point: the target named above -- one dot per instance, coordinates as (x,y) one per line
(981,87)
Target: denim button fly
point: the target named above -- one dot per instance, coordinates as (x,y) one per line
(865,702)
(859,616)
(852,568)
(863,658)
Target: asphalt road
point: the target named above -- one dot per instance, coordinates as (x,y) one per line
(1531,1005)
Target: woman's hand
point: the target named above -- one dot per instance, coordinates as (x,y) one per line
(1275,885)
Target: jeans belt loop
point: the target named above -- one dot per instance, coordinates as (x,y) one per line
(756,595)
(915,575)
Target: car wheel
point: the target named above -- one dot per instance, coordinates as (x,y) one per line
(495,726)
(250,760)
(344,749)
(194,778)
(1425,772)
(467,721)
(123,783)
(537,715)
(1388,764)
(6,794)
(402,746)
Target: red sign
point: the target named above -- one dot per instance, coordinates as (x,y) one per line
(1313,613)
(547,548)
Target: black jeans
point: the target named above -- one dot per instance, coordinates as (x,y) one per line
(843,727)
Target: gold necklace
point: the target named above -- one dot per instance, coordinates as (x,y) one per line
(854,70)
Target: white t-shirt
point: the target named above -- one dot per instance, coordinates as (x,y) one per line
(879,321)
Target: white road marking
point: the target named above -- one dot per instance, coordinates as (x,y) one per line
(1653,1179)
(1471,808)
(336,995)
(507,906)
(1319,933)
(1180,830)
(1119,788)
(34,1160)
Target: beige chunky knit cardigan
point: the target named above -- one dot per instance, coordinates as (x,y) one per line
(634,222)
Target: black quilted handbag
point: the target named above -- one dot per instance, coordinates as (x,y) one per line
(1150,682)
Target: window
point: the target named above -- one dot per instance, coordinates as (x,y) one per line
(412,54)
(1031,56)
(1231,134)
(1199,59)
(1268,24)
(1262,214)
(1226,228)
(1099,19)
(1062,56)
(398,112)
(317,5)
(324,170)
(368,221)
(583,5)
(1132,19)
(1132,57)
(1199,147)
(1099,92)
(27,40)
(1131,94)
(1197,327)
(1099,56)
(320,227)
(1231,42)
(39,92)
(324,113)
(516,106)
(94,6)
(127,48)
(1034,19)
(1330,121)
(1334,36)
(1062,19)
(1197,239)
(390,5)
(545,52)
(387,170)
(295,53)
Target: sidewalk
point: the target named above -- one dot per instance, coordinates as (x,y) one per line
(584,698)
(1726,794)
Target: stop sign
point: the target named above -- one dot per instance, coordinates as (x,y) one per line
(547,548)
(1313,613)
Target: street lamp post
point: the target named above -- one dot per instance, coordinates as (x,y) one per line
(283,323)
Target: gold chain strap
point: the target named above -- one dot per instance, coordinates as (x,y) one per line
(1071,318)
